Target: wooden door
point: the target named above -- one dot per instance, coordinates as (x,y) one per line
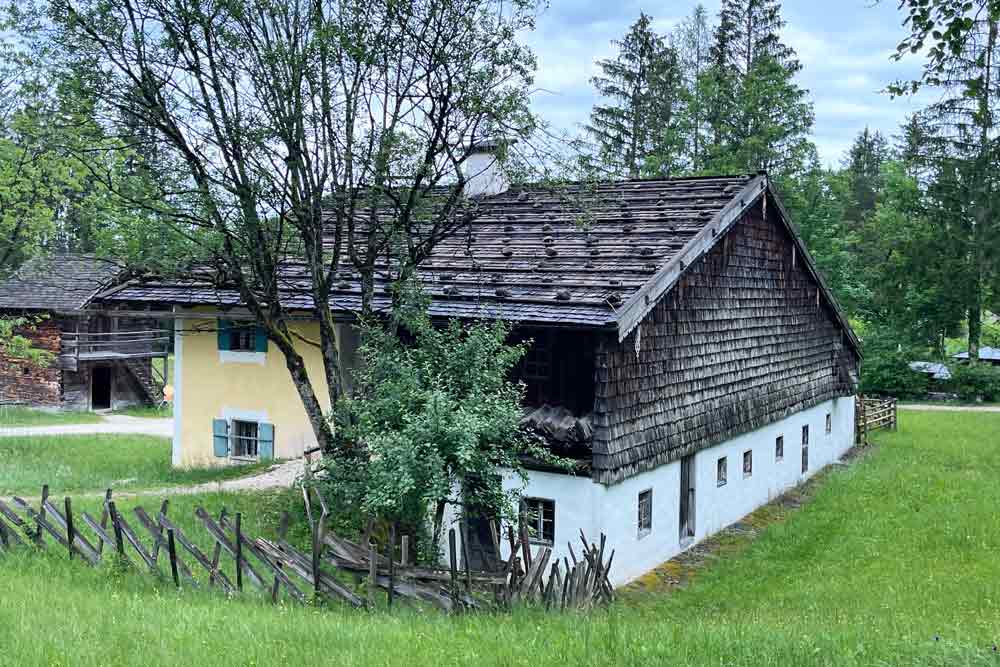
(100,388)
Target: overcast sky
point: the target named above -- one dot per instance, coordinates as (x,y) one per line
(844,47)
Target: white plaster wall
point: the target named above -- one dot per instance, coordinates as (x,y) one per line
(582,504)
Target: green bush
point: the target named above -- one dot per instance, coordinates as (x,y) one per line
(886,368)
(976,382)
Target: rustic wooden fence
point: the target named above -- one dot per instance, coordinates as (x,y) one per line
(872,414)
(334,568)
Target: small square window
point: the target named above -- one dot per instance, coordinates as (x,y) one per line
(242,339)
(541,520)
(645,513)
(829,423)
(245,440)
(779,448)
(748,463)
(721,472)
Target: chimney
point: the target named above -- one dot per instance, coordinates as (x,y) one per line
(483,172)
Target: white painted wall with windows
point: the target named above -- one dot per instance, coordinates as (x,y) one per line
(581,504)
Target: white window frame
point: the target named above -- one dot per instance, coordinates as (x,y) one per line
(536,520)
(238,415)
(646,495)
(234,438)
(747,457)
(779,448)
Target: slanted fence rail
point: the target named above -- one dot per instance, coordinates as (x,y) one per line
(334,568)
(872,414)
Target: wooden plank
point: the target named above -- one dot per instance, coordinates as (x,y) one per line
(215,574)
(172,551)
(159,536)
(217,531)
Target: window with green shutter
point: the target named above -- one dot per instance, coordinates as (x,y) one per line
(241,337)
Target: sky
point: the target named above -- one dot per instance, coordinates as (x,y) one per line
(844,47)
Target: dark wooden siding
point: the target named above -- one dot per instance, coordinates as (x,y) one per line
(740,342)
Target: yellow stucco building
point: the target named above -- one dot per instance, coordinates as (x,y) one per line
(234,399)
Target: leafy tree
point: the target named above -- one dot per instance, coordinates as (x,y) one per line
(291,123)
(638,132)
(433,420)
(760,118)
(961,40)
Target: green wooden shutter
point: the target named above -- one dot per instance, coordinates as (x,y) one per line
(225,340)
(220,437)
(265,441)
(260,339)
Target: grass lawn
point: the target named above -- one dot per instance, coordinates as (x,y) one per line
(893,562)
(18,416)
(94,462)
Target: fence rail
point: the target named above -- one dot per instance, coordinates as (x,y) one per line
(872,414)
(115,345)
(333,569)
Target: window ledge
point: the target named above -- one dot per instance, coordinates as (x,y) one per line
(241,357)
(644,533)
(720,484)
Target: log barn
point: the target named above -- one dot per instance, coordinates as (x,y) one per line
(99,360)
(684,350)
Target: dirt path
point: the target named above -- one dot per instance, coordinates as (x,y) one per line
(112,425)
(949,408)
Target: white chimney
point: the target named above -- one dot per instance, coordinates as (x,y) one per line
(482,170)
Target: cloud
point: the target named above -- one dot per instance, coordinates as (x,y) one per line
(845,55)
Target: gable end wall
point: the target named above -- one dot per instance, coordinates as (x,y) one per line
(740,342)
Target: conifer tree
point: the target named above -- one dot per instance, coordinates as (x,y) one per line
(693,41)
(760,118)
(863,164)
(637,132)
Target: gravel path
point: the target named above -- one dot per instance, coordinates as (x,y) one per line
(949,408)
(112,424)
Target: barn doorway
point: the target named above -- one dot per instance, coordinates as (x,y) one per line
(100,388)
(687,499)
(483,535)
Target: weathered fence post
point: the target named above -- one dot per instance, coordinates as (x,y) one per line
(372,571)
(453,571)
(70,532)
(239,552)
(404,551)
(172,552)
(116,524)
(390,553)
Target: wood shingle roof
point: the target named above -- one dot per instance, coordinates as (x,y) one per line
(585,255)
(61,283)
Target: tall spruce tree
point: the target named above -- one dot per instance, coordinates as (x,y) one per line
(693,41)
(863,164)
(962,148)
(760,118)
(637,132)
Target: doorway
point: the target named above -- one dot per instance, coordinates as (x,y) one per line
(100,388)
(687,499)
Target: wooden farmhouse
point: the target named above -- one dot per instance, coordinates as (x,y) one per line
(99,361)
(684,350)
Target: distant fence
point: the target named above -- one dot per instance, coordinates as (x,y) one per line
(334,568)
(872,414)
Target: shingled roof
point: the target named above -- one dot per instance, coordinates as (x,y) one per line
(61,283)
(587,255)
